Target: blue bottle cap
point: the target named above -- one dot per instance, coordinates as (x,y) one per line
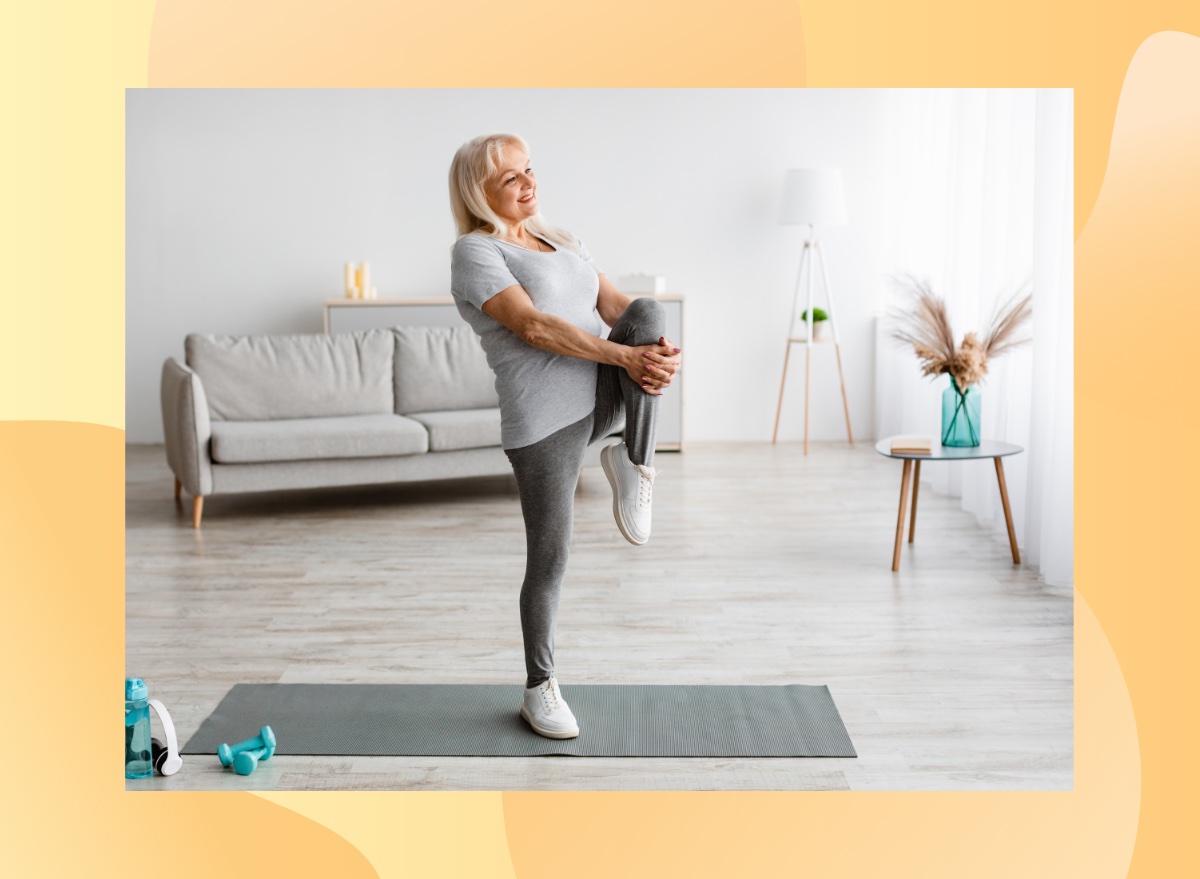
(135,690)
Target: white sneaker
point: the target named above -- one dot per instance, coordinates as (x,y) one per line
(545,710)
(633,489)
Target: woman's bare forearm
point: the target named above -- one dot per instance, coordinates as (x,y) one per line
(550,333)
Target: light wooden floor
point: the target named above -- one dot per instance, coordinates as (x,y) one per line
(766,567)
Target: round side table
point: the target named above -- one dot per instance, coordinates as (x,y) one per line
(986,449)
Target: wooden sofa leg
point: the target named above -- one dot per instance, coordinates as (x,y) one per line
(197,510)
(178,489)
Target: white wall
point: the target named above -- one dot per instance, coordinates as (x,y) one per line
(243,204)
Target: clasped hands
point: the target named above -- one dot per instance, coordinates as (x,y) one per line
(654,366)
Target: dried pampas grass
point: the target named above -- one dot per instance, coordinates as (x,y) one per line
(925,325)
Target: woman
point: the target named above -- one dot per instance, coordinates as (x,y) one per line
(536,299)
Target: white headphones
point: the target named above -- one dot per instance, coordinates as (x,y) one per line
(167,761)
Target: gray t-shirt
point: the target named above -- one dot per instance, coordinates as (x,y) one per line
(539,392)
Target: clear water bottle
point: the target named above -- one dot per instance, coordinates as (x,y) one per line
(138,763)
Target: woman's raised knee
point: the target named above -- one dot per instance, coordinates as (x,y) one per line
(646,307)
(647,316)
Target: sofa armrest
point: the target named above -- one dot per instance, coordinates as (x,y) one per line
(187,428)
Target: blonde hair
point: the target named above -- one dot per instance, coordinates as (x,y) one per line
(476,162)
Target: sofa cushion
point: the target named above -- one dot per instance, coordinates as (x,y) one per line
(256,378)
(461,429)
(441,368)
(303,439)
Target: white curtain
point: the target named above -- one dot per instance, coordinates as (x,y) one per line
(980,195)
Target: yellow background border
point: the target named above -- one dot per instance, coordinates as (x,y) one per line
(61,448)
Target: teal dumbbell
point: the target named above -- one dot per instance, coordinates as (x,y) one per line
(247,761)
(244,756)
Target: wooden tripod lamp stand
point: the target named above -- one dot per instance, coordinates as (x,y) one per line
(811,196)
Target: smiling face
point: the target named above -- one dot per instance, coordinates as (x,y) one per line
(512,193)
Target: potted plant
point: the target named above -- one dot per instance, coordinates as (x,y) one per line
(820,323)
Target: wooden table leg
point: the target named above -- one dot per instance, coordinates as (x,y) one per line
(912,522)
(900,518)
(1012,533)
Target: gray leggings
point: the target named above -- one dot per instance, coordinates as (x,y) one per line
(547,472)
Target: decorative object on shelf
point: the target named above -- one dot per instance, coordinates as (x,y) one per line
(357,281)
(812,196)
(820,323)
(926,326)
(655,285)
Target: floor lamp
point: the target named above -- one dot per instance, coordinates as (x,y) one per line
(811,196)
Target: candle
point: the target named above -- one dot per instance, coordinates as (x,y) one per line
(364,286)
(358,281)
(348,279)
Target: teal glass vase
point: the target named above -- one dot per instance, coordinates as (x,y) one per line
(960,416)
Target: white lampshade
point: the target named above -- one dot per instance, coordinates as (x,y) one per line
(813,196)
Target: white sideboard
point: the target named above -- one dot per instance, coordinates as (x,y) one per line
(351,315)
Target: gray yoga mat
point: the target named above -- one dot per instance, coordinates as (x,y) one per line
(482,720)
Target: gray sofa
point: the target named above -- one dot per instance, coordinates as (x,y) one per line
(260,413)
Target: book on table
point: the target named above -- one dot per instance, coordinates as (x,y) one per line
(912,444)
